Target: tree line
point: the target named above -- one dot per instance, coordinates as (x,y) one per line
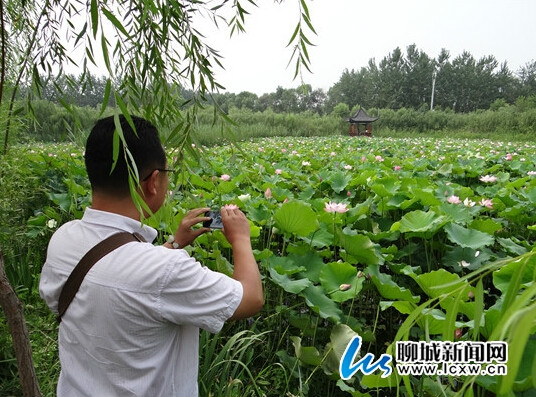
(398,90)
(412,80)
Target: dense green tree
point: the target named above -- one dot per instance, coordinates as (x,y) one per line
(527,77)
(344,91)
(417,83)
(246,100)
(507,85)
(82,90)
(391,74)
(310,100)
(443,93)
(265,102)
(461,83)
(285,100)
(486,89)
(354,87)
(341,110)
(407,81)
(315,101)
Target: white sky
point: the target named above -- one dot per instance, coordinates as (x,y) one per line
(350,32)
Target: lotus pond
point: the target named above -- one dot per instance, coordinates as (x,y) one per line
(390,239)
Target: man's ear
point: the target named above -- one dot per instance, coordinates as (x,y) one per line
(150,185)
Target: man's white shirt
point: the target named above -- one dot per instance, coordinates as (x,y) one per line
(133,327)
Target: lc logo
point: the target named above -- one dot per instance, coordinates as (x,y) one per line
(348,368)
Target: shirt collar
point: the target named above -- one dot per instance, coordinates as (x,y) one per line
(110,219)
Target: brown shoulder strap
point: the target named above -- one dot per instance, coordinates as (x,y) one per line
(96,253)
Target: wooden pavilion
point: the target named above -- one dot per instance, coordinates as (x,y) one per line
(361,119)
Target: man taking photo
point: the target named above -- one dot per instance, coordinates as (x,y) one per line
(132,328)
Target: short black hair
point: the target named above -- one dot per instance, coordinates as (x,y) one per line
(143,143)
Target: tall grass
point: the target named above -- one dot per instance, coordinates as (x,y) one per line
(504,124)
(229,365)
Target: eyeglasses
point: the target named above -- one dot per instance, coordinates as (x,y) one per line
(157,169)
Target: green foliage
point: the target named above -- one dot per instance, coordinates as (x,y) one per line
(418,255)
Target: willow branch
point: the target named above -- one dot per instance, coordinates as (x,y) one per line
(25,61)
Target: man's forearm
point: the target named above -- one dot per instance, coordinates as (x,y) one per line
(247,272)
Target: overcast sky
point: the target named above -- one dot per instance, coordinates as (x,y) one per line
(350,32)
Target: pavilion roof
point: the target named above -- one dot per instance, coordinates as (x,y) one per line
(362,117)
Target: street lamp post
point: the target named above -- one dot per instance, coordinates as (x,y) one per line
(434,74)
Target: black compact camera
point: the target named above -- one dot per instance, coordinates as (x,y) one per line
(215,220)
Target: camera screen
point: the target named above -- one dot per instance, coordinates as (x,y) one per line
(215,221)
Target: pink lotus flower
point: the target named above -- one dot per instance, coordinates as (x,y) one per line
(348,167)
(453,200)
(488,178)
(508,156)
(278,171)
(225,177)
(379,158)
(486,203)
(397,168)
(335,207)
(268,193)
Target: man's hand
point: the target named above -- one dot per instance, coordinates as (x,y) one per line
(185,235)
(235,226)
